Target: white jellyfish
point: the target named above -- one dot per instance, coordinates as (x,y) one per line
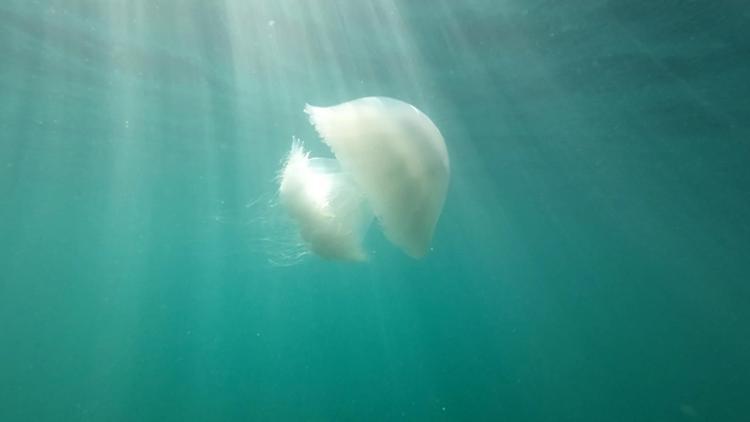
(391,163)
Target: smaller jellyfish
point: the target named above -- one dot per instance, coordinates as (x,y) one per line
(391,163)
(329,209)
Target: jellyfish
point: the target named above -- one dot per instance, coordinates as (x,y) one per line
(391,165)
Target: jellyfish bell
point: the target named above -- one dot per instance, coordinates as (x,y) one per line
(390,159)
(397,157)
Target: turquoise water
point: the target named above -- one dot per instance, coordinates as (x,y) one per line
(591,262)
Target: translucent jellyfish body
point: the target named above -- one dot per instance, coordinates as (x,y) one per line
(391,162)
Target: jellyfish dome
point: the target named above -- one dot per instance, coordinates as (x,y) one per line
(391,162)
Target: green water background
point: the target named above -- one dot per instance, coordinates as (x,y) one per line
(591,262)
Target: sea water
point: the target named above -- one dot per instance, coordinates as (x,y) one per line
(591,262)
